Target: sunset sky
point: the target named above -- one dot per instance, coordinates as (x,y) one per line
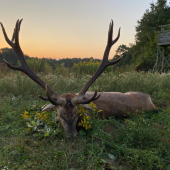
(70,28)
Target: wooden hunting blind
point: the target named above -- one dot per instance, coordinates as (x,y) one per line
(164,36)
(163,60)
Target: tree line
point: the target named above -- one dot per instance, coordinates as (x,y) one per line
(9,55)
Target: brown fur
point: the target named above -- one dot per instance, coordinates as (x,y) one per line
(122,104)
(68,114)
(68,96)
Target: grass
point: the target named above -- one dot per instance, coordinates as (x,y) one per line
(141,142)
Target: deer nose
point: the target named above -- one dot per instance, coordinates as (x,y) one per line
(69,104)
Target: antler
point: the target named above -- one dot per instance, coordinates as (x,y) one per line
(80,99)
(14,43)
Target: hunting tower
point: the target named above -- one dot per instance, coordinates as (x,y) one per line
(163,57)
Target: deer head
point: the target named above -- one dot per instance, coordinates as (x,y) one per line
(66,104)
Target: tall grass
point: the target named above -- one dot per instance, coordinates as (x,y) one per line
(88,67)
(139,142)
(39,65)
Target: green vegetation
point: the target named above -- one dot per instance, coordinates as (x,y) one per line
(39,65)
(142,54)
(139,142)
(88,67)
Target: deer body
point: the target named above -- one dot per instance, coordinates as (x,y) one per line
(112,103)
(118,104)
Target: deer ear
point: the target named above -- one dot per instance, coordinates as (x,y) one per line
(49,107)
(87,107)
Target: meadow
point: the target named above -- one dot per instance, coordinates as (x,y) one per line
(141,142)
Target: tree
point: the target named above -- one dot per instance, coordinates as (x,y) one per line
(144,50)
(121,49)
(124,52)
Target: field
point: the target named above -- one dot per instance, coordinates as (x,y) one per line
(141,142)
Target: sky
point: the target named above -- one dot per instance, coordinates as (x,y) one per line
(70,28)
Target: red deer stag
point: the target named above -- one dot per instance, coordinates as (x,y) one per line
(112,103)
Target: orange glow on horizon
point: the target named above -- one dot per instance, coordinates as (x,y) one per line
(70,29)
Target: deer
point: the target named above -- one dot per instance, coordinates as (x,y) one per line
(112,104)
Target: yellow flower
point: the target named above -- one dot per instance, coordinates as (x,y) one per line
(84,118)
(38,116)
(42,117)
(92,105)
(85,122)
(25,112)
(80,124)
(25,115)
(87,117)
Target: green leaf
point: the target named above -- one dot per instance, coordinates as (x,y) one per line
(33,123)
(111,156)
(28,130)
(47,134)
(29,125)
(28,119)
(24,157)
(103,160)
(45,127)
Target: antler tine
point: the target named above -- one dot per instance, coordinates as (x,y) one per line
(104,64)
(14,43)
(110,33)
(6,37)
(11,44)
(115,40)
(13,36)
(17,28)
(16,31)
(11,66)
(85,100)
(43,98)
(62,101)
